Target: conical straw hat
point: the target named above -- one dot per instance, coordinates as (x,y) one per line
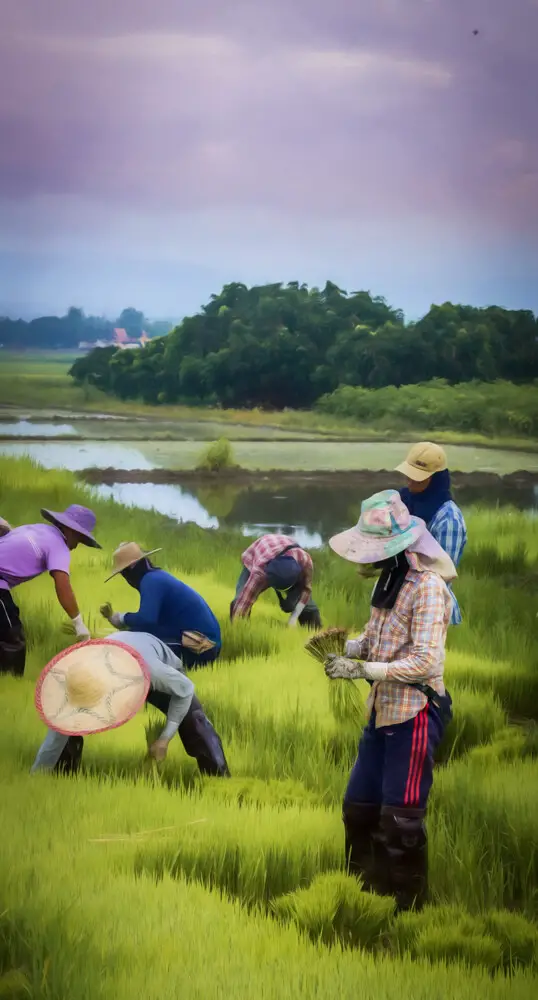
(91,687)
(128,554)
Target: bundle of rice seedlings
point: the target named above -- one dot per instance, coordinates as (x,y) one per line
(331,640)
(345,701)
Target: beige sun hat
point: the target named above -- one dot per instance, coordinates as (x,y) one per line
(91,687)
(128,554)
(423,460)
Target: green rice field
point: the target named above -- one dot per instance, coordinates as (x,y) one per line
(125,882)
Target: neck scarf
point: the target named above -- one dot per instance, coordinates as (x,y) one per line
(391,581)
(426,504)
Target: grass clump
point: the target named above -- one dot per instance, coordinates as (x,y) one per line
(335,908)
(449,933)
(217,457)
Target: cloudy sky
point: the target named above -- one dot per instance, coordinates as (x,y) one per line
(151,150)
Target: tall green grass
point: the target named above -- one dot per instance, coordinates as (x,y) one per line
(172,882)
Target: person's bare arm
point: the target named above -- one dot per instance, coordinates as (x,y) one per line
(64,593)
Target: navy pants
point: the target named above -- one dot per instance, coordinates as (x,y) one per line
(394,766)
(385,806)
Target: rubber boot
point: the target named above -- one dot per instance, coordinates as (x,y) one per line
(403,836)
(364,856)
(71,759)
(310,618)
(202,742)
(13,651)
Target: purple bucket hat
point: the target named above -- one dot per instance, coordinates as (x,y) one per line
(384,529)
(79,519)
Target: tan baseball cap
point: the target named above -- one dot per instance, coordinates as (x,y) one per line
(423,460)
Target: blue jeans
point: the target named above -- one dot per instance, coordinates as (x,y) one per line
(50,751)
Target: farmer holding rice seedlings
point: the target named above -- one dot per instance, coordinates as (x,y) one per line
(28,551)
(169,609)
(403,652)
(102,684)
(277,561)
(428,496)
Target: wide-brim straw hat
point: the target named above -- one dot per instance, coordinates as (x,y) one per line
(80,519)
(385,528)
(128,554)
(92,687)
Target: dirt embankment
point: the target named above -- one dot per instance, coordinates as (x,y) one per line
(245,477)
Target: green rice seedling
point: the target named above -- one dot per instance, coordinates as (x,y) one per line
(334,908)
(446,944)
(517,936)
(331,640)
(14,984)
(345,702)
(477,717)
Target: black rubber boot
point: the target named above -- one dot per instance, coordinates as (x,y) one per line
(310,618)
(364,855)
(71,759)
(202,742)
(403,836)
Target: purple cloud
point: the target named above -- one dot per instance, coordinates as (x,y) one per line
(372,114)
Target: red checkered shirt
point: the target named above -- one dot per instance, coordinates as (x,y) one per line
(410,640)
(255,558)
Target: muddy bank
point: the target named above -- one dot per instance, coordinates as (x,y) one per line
(246,478)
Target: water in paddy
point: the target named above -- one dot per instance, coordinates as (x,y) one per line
(309,512)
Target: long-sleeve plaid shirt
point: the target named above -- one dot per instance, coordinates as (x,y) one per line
(255,559)
(409,640)
(448,528)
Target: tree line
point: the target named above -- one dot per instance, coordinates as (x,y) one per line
(277,346)
(66,332)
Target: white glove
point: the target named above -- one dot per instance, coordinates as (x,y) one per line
(299,608)
(81,631)
(340,667)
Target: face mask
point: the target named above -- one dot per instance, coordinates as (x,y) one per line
(368,571)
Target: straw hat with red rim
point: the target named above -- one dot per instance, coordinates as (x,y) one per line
(91,687)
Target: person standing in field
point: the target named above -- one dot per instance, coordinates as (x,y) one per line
(277,562)
(91,688)
(429,497)
(28,551)
(401,652)
(169,609)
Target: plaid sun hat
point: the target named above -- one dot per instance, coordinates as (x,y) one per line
(384,529)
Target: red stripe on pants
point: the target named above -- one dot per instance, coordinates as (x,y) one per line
(412,758)
(421,757)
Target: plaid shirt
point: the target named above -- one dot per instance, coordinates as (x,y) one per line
(255,558)
(410,640)
(448,528)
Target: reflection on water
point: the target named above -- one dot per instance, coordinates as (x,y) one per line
(169,500)
(310,513)
(26,428)
(86,455)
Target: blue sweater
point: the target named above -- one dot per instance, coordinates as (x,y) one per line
(168,608)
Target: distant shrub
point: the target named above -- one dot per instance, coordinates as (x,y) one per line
(217,456)
(335,908)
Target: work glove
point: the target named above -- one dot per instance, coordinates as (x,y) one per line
(77,627)
(114,617)
(294,617)
(341,667)
(158,750)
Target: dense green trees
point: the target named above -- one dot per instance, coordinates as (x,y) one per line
(286,346)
